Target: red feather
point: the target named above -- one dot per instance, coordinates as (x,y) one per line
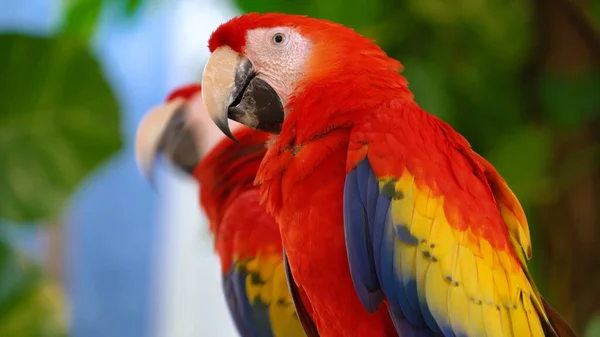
(186,92)
(229,198)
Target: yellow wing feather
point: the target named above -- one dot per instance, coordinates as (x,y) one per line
(467,285)
(266,282)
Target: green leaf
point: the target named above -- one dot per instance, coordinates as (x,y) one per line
(81,18)
(132,6)
(59,120)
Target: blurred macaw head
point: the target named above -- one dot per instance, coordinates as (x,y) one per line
(180,128)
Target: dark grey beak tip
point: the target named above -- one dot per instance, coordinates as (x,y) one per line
(223,125)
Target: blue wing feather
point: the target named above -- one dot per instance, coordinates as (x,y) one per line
(370,235)
(408,329)
(251,319)
(235,308)
(360,253)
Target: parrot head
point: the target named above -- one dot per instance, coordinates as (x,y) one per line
(263,64)
(180,128)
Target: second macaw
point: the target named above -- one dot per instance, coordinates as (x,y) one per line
(391,223)
(246,238)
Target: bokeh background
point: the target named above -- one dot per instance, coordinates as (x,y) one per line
(89,249)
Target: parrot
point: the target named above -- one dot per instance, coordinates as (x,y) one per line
(246,237)
(391,224)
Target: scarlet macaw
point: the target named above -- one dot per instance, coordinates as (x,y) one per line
(246,238)
(377,200)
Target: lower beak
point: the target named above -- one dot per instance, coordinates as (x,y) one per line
(232,89)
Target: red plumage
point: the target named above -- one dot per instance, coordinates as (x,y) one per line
(186,92)
(230,200)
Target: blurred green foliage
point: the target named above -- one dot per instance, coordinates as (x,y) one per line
(30,306)
(593,329)
(81,16)
(59,121)
(571,102)
(487,68)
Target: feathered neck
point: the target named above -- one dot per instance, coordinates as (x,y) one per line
(339,101)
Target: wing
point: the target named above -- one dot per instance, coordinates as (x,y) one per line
(257,295)
(239,307)
(435,230)
(264,300)
(255,283)
(247,239)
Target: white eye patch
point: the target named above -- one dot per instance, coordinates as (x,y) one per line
(279,56)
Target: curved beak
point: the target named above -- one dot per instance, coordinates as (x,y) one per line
(165,129)
(232,89)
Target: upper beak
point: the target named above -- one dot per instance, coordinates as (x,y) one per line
(232,89)
(165,129)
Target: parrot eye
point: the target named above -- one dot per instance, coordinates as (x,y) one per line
(278,38)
